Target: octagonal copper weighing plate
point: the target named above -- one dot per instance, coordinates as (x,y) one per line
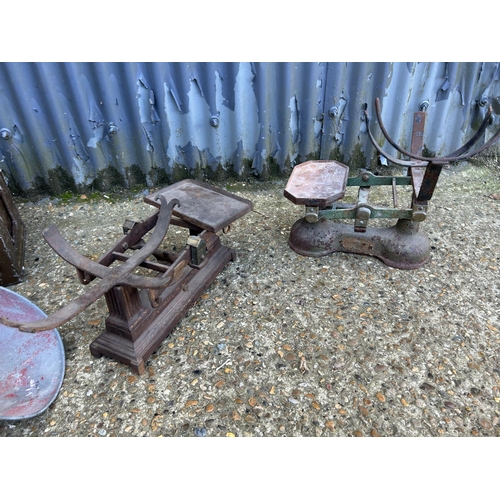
(31,364)
(317,183)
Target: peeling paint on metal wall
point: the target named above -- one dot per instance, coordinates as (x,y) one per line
(98,125)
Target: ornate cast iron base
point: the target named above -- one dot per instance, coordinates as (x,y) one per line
(401,246)
(133,333)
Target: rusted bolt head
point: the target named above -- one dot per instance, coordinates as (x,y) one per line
(484,101)
(6,134)
(365,177)
(333,111)
(112,129)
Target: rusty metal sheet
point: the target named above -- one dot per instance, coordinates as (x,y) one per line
(317,183)
(203,205)
(417,138)
(417,177)
(12,234)
(32,366)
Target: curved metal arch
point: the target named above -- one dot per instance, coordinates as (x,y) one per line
(458,155)
(113,276)
(392,159)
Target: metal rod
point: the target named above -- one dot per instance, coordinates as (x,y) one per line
(429,182)
(394,193)
(363,194)
(153,266)
(376,213)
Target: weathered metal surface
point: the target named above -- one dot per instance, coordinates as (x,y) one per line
(401,245)
(369,179)
(31,366)
(131,342)
(144,309)
(417,137)
(203,205)
(111,277)
(12,235)
(82,125)
(461,154)
(317,183)
(375,212)
(417,143)
(433,165)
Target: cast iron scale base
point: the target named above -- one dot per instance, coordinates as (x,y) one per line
(144,309)
(318,185)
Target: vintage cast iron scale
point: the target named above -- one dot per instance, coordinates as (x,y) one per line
(144,309)
(320,184)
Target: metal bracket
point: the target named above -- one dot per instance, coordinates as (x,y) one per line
(128,225)
(419,212)
(361,220)
(198,249)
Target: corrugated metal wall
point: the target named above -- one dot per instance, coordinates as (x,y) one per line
(100,125)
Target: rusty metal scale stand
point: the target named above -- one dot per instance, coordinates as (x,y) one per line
(318,185)
(144,309)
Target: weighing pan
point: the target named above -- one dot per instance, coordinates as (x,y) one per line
(31,364)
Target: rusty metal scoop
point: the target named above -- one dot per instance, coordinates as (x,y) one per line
(318,185)
(143,309)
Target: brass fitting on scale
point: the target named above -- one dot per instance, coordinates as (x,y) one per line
(311,214)
(419,212)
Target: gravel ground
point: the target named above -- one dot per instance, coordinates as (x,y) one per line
(285,345)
